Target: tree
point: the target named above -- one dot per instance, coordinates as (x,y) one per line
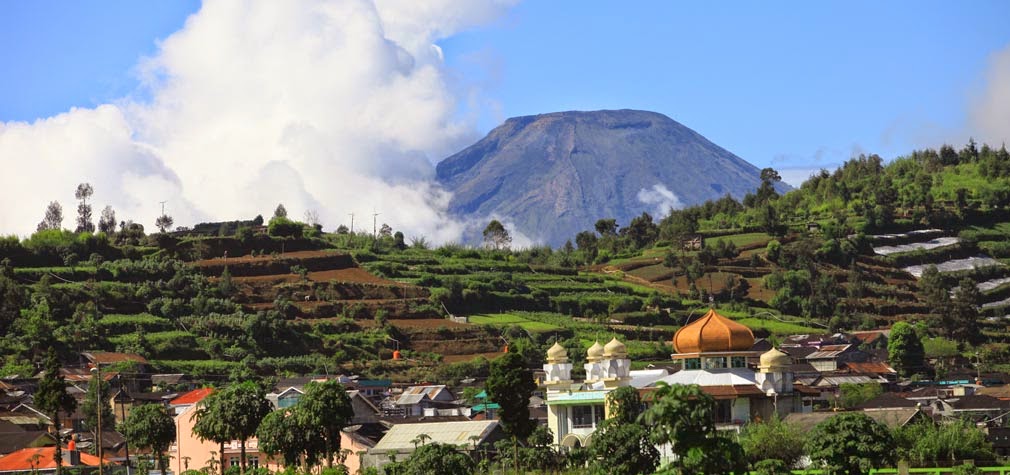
(433,458)
(851,443)
(772,440)
(98,387)
(284,432)
(280,211)
(53,218)
(606,227)
(766,192)
(621,444)
(164,222)
(211,424)
(510,384)
(496,236)
(326,410)
(961,321)
(641,231)
(904,349)
(925,443)
(683,416)
(52,398)
(854,394)
(243,407)
(84,224)
(107,221)
(311,217)
(150,426)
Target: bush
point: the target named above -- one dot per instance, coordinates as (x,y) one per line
(284,227)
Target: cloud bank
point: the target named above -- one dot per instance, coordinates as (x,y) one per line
(660,198)
(989,114)
(333,106)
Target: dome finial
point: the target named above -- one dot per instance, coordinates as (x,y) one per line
(557,354)
(595,352)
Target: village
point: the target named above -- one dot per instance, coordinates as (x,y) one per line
(804,380)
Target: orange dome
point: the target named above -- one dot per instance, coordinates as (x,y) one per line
(713,333)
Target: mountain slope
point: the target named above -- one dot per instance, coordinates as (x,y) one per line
(553,175)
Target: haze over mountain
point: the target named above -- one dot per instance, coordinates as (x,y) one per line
(553,175)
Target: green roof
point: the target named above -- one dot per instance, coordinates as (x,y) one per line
(484,407)
(578,397)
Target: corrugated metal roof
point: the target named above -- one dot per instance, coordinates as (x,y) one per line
(707,377)
(402,436)
(576,397)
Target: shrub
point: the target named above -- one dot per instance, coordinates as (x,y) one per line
(283,227)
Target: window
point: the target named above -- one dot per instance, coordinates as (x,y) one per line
(723,410)
(582,417)
(233,462)
(692,363)
(715,362)
(253,462)
(598,413)
(738,362)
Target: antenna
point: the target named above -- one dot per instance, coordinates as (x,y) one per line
(352,223)
(374,215)
(163,207)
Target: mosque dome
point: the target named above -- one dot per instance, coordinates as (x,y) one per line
(615,349)
(713,333)
(595,352)
(557,354)
(774,359)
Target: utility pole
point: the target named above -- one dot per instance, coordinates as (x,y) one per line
(96,374)
(163,207)
(352,223)
(374,215)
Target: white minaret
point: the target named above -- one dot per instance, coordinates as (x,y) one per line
(594,363)
(558,369)
(616,365)
(774,376)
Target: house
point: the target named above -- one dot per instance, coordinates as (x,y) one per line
(713,352)
(692,242)
(402,439)
(187,400)
(830,357)
(892,418)
(887,401)
(415,399)
(364,409)
(172,382)
(105,359)
(123,401)
(41,460)
(189,451)
(13,438)
(975,407)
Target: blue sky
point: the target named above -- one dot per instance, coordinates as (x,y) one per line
(786,84)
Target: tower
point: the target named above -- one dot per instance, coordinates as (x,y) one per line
(558,370)
(616,365)
(594,363)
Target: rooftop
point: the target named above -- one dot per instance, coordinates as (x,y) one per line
(40,458)
(192,397)
(713,333)
(402,436)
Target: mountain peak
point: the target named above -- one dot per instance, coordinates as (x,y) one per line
(553,175)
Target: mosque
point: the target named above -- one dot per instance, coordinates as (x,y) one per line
(714,352)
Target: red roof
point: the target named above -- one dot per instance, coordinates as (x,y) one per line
(192,397)
(41,458)
(870,368)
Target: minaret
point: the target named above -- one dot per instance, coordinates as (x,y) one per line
(774,376)
(558,370)
(594,363)
(616,365)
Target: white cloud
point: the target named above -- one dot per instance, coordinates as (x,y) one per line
(989,114)
(660,198)
(338,106)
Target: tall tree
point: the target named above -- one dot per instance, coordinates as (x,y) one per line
(107,221)
(164,222)
(772,440)
(961,321)
(284,432)
(211,423)
(280,211)
(510,384)
(326,409)
(621,444)
(84,222)
(53,218)
(683,416)
(52,398)
(150,426)
(851,444)
(243,407)
(606,227)
(904,349)
(98,387)
(496,236)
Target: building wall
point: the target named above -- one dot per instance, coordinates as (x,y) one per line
(200,452)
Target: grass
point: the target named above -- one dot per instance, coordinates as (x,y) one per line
(506,319)
(740,239)
(779,328)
